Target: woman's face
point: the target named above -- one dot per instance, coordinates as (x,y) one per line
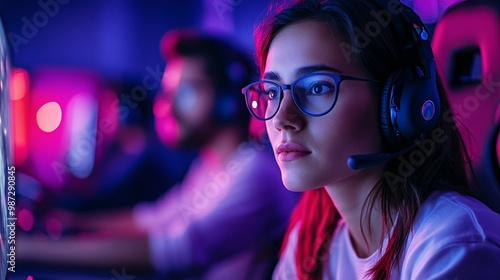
(312,152)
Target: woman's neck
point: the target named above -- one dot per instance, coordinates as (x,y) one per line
(349,196)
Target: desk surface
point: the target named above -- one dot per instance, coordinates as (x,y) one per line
(65,274)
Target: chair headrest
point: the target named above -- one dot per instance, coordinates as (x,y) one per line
(466,44)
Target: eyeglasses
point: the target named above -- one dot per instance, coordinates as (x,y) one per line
(314,94)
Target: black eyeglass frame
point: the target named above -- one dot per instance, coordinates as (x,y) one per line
(336,78)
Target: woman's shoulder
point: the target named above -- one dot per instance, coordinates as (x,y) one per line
(454,217)
(453,236)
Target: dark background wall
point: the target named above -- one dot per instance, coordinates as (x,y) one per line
(117,38)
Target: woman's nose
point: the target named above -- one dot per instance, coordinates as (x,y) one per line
(288,116)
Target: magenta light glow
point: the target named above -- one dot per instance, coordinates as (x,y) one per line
(63,112)
(165,124)
(19,95)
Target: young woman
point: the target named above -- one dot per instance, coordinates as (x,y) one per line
(343,78)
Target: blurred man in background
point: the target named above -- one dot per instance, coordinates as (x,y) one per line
(226,219)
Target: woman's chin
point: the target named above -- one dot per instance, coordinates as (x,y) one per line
(296,185)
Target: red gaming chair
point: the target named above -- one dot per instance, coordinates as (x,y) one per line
(466,43)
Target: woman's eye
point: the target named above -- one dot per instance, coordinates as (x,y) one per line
(319,89)
(272,93)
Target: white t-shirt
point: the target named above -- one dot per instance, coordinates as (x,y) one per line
(453,237)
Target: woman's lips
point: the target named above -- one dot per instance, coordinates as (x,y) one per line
(290,151)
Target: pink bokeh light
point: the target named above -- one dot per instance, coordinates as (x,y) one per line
(49,116)
(25,219)
(73,118)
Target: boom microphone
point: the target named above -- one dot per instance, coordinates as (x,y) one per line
(369,160)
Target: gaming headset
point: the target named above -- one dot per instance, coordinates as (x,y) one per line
(410,106)
(228,107)
(237,71)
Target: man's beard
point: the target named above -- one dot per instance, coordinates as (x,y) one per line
(195,136)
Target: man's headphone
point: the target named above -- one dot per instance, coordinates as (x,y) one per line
(410,105)
(229,107)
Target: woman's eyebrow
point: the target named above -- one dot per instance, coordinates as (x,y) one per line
(271,76)
(315,68)
(302,71)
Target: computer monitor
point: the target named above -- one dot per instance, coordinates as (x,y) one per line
(7,169)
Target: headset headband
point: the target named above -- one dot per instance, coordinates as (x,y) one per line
(411,34)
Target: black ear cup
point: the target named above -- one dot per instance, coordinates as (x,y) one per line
(229,107)
(410,106)
(389,132)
